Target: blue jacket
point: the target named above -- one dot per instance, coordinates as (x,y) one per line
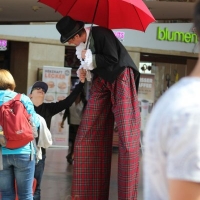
(6,95)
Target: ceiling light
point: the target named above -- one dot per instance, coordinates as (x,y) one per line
(35,8)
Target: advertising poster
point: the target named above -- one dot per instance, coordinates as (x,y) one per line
(58,80)
(146,97)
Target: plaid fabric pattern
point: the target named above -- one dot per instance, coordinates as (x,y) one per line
(93,147)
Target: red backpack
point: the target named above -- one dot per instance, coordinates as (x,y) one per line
(16,123)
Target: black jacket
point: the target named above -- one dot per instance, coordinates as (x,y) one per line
(48,110)
(110,55)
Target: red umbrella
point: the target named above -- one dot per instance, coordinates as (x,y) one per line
(112,14)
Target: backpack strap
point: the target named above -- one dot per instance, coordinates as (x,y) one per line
(18,97)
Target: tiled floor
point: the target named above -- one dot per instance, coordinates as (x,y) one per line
(56,183)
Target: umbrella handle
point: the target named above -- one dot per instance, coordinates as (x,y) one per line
(88,40)
(92,23)
(89,37)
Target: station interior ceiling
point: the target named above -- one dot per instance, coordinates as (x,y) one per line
(30,11)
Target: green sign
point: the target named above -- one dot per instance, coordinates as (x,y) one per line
(176,36)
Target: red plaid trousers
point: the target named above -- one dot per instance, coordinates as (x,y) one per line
(93,147)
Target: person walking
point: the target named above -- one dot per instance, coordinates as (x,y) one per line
(171,139)
(74,115)
(18,164)
(113,96)
(47,111)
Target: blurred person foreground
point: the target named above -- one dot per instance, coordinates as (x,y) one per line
(172,138)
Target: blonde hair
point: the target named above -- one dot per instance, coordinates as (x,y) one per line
(6,80)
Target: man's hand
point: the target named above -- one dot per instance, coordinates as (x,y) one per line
(83,54)
(82,75)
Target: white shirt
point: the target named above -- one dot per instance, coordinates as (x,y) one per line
(45,137)
(86,63)
(172,139)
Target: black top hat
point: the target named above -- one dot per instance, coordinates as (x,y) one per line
(67,27)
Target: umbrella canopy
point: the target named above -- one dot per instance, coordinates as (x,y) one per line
(112,14)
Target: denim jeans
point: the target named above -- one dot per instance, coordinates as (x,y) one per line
(17,167)
(39,169)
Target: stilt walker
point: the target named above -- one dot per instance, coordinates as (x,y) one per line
(113,97)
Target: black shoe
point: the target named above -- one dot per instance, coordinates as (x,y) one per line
(69,159)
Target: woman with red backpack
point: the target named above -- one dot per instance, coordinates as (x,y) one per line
(17,164)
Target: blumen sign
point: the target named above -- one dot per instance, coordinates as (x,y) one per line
(3,45)
(178,36)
